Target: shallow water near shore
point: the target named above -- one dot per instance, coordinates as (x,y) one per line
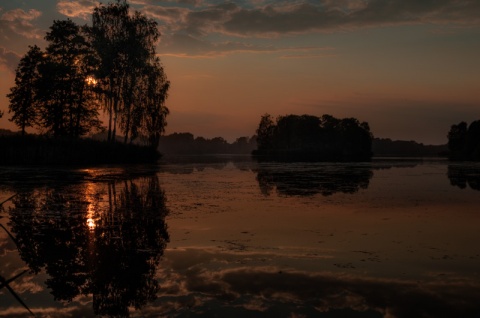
(230,237)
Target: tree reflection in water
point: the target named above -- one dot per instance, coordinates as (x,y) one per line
(461,175)
(303,179)
(94,238)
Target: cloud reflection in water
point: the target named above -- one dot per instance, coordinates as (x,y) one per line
(190,289)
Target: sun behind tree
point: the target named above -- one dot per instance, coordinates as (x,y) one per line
(110,66)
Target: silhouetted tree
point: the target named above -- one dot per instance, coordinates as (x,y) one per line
(142,37)
(457,137)
(23,99)
(463,142)
(108,37)
(154,93)
(473,141)
(66,103)
(129,70)
(265,132)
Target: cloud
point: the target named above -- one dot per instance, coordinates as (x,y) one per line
(9,59)
(210,19)
(195,3)
(186,24)
(76,9)
(193,22)
(167,15)
(19,22)
(184,45)
(331,16)
(277,18)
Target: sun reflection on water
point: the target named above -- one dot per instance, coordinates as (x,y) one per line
(91,224)
(92,208)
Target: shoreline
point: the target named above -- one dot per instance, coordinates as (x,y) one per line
(41,150)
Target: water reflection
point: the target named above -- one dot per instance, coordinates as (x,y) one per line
(96,237)
(190,164)
(464,175)
(259,291)
(103,237)
(304,179)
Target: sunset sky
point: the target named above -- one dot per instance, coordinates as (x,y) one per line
(410,68)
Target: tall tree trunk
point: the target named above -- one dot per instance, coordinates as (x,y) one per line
(115,111)
(127,125)
(110,116)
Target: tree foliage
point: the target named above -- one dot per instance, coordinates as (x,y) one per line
(314,138)
(110,66)
(67,105)
(132,82)
(23,97)
(464,141)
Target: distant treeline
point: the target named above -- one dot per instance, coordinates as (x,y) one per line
(464,141)
(306,137)
(36,149)
(187,144)
(385,147)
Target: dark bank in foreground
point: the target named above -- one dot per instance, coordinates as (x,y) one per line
(34,149)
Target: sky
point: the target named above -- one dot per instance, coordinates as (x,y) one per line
(409,68)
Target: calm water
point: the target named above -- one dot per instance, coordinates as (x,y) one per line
(234,238)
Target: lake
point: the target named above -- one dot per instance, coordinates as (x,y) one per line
(230,237)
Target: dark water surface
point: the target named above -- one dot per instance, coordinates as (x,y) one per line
(229,237)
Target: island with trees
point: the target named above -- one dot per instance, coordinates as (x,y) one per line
(110,67)
(306,137)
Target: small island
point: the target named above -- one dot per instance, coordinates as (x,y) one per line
(311,138)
